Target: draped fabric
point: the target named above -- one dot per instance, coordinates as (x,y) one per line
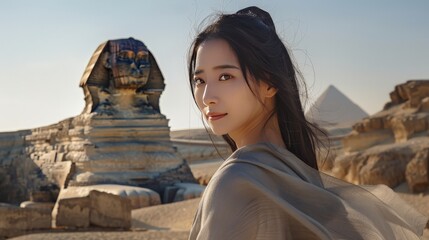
(265,192)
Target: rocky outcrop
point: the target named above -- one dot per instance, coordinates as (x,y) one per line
(390,146)
(417,172)
(404,117)
(93,208)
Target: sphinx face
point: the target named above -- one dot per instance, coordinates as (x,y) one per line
(129,63)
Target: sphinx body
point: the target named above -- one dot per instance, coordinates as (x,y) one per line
(120,137)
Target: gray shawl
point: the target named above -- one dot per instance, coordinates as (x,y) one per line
(265,192)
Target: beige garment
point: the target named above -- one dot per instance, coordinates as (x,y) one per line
(265,192)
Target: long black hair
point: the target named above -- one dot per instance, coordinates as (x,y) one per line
(251,34)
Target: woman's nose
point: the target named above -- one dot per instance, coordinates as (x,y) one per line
(209,96)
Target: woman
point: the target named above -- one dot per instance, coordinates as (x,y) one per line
(245,86)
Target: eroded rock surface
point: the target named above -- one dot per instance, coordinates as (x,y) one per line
(94,208)
(138,197)
(16,221)
(390,146)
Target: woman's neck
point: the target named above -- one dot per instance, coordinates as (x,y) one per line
(264,130)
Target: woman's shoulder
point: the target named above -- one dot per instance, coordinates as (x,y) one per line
(260,157)
(250,167)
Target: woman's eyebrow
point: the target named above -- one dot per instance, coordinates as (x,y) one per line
(224,66)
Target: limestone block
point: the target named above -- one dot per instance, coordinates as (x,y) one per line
(412,92)
(418,91)
(417,172)
(188,191)
(15,221)
(347,167)
(108,210)
(71,212)
(359,141)
(384,168)
(138,197)
(369,124)
(394,97)
(60,173)
(42,206)
(95,209)
(405,126)
(424,105)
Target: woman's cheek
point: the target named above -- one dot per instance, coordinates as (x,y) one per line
(198,99)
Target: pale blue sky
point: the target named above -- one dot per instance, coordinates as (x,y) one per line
(362,47)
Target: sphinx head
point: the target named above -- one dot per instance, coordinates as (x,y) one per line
(122,64)
(128,61)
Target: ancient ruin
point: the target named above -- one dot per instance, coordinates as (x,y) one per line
(391,146)
(120,139)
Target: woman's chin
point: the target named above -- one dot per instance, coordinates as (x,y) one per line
(218,132)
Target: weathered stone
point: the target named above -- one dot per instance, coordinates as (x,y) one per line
(424,106)
(417,172)
(62,171)
(95,209)
(72,212)
(380,146)
(359,141)
(384,168)
(42,206)
(138,197)
(16,221)
(346,167)
(378,165)
(369,124)
(405,127)
(404,117)
(412,91)
(108,210)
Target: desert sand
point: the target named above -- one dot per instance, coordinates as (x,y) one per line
(173,221)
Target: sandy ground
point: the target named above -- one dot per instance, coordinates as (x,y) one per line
(173,221)
(98,235)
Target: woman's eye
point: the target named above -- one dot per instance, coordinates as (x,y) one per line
(198,81)
(225,77)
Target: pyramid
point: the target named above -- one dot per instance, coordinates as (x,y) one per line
(334,108)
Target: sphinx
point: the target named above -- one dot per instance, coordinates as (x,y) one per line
(121,137)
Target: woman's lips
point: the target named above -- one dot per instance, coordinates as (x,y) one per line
(216,116)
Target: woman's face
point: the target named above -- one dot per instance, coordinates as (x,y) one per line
(221,92)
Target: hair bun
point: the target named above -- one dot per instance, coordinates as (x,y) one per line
(258,13)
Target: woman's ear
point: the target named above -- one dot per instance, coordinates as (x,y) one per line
(266,90)
(270,92)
